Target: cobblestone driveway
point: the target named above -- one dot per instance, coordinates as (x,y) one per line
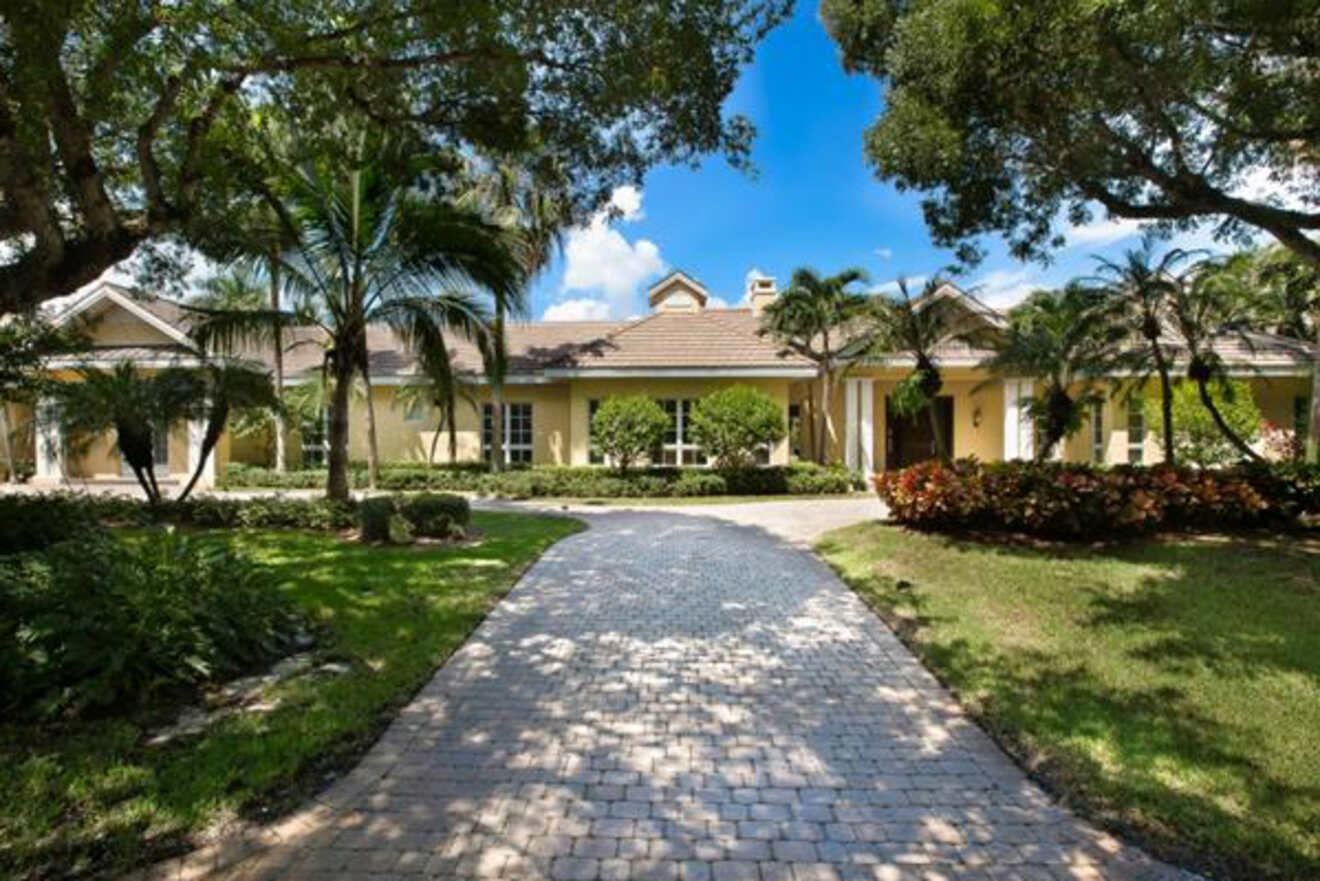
(673,696)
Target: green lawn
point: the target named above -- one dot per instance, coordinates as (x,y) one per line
(1171,688)
(95,798)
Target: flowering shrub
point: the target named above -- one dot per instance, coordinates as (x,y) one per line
(1060,500)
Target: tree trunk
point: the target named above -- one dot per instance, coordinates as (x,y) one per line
(373,451)
(11,471)
(336,487)
(1312,449)
(274,272)
(828,435)
(497,391)
(435,439)
(941,452)
(1166,400)
(1224,429)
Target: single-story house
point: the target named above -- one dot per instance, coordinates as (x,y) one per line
(681,350)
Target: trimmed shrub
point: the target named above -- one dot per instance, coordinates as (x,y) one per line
(374,518)
(1059,500)
(627,427)
(731,424)
(437,515)
(29,523)
(1196,439)
(97,623)
(595,482)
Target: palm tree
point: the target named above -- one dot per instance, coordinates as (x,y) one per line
(442,390)
(373,248)
(1139,288)
(1215,301)
(226,387)
(1067,343)
(915,326)
(535,207)
(1291,291)
(135,406)
(812,318)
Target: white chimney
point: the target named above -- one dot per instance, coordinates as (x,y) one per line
(760,293)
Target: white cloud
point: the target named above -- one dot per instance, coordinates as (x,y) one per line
(889,288)
(717,303)
(599,258)
(627,201)
(1004,288)
(1103,232)
(577,309)
(884,253)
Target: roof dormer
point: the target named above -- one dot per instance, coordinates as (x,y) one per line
(677,292)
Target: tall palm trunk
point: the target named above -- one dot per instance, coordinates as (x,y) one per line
(337,487)
(941,452)
(827,433)
(274,272)
(1166,397)
(1224,429)
(373,450)
(11,476)
(215,425)
(497,391)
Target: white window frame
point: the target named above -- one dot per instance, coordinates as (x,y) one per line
(321,448)
(1098,432)
(1136,414)
(681,447)
(519,453)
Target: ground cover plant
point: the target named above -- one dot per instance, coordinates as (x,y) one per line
(1169,689)
(88,795)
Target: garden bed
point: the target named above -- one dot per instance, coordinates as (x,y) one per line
(1168,688)
(90,796)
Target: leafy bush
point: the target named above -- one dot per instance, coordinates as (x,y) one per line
(374,517)
(1062,500)
(591,482)
(1196,438)
(731,424)
(627,427)
(437,515)
(96,622)
(29,523)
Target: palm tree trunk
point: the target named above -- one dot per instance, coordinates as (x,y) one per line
(336,487)
(828,434)
(497,392)
(1223,426)
(935,426)
(435,439)
(373,451)
(215,425)
(274,272)
(1166,399)
(11,475)
(1312,448)
(152,494)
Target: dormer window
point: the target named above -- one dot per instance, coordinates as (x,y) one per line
(678,292)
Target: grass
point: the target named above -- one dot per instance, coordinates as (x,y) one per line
(1169,689)
(93,798)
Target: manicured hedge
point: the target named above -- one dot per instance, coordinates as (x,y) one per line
(398,519)
(570,482)
(1060,500)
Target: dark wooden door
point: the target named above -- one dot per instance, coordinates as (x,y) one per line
(910,439)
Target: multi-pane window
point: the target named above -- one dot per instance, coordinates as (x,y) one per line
(677,448)
(517,432)
(1136,433)
(416,409)
(795,430)
(315,441)
(1098,432)
(1301,418)
(594,455)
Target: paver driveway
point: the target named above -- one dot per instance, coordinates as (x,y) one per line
(670,695)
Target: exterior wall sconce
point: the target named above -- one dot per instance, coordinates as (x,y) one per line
(976,418)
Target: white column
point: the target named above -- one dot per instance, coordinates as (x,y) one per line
(866,440)
(1019,438)
(196,432)
(50,444)
(850,424)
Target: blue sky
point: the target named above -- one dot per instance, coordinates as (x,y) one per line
(814,202)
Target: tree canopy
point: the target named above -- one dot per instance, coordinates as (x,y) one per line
(126,122)
(1013,115)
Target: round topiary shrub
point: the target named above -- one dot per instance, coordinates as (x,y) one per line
(627,427)
(733,423)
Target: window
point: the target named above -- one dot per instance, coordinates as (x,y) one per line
(677,447)
(594,455)
(315,441)
(1136,439)
(1301,418)
(1098,432)
(795,430)
(416,409)
(517,432)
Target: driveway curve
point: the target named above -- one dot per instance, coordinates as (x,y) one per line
(683,694)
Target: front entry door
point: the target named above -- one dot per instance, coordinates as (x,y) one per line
(910,439)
